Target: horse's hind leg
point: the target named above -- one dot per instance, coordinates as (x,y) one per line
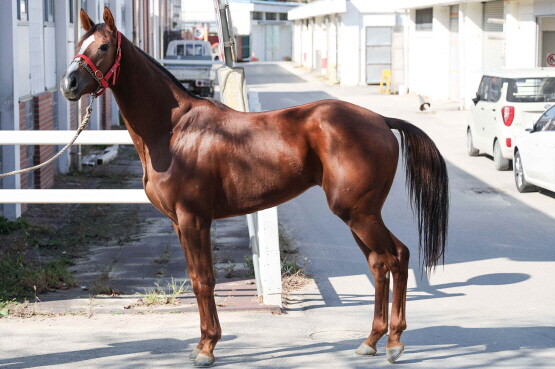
(384,254)
(399,270)
(381,299)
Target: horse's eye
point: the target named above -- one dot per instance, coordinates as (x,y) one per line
(104,47)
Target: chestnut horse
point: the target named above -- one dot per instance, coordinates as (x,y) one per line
(204,161)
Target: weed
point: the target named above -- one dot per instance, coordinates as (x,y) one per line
(101,285)
(5,307)
(249,265)
(21,278)
(8,226)
(158,296)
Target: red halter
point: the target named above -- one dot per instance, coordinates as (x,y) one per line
(102,79)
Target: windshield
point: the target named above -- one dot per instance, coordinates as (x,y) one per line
(531,90)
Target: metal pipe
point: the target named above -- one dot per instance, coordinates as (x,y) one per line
(222,9)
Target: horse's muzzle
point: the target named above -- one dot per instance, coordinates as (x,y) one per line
(70,86)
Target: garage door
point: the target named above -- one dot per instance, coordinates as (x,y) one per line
(378,52)
(494,37)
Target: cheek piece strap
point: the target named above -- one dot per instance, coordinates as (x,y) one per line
(102,79)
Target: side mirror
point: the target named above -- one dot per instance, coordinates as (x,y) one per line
(531,127)
(477,98)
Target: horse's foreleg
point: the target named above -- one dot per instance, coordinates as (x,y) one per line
(194,234)
(399,270)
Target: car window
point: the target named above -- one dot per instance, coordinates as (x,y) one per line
(531,89)
(483,89)
(546,121)
(496,83)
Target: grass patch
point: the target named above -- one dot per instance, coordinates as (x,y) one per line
(160,296)
(23,279)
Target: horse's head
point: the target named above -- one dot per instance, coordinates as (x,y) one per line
(96,61)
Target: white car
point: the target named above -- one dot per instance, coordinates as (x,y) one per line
(505,102)
(534,155)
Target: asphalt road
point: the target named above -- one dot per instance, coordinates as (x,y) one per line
(490,306)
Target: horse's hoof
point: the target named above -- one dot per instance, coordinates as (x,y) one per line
(193,355)
(204,360)
(393,353)
(365,349)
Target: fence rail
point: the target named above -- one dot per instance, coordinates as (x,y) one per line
(116,137)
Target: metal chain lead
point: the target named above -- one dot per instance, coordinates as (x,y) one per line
(79,130)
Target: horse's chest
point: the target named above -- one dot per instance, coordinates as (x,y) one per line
(160,195)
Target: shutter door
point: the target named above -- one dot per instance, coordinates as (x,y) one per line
(494,37)
(378,52)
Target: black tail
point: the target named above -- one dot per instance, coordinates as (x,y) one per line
(428,187)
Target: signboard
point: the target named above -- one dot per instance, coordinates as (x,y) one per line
(199,33)
(551,60)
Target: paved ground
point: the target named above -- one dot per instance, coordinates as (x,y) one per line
(491,306)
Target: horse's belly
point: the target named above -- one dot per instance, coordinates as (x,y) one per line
(257,193)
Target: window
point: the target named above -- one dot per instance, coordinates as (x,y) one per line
(531,90)
(49,11)
(546,121)
(282,16)
(483,90)
(271,16)
(424,19)
(23,10)
(495,89)
(71,10)
(257,15)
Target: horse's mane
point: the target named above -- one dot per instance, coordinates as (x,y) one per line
(167,73)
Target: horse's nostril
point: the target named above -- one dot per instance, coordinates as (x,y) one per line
(72,83)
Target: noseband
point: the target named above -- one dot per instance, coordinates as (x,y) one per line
(103,80)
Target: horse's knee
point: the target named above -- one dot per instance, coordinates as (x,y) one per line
(204,287)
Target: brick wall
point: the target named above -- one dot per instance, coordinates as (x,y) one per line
(44,113)
(26,152)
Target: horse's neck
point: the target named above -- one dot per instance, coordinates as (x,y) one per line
(146,96)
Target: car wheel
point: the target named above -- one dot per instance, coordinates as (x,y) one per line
(470,149)
(520,180)
(500,162)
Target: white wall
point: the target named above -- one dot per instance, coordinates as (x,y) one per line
(520,34)
(241,17)
(350,47)
(471,36)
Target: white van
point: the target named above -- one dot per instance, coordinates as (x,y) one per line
(507,102)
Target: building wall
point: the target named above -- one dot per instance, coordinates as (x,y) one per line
(334,44)
(520,38)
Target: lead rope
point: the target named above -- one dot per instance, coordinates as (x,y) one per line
(79,130)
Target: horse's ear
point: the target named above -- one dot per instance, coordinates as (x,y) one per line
(86,22)
(109,19)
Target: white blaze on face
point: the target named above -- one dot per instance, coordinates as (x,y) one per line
(84,46)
